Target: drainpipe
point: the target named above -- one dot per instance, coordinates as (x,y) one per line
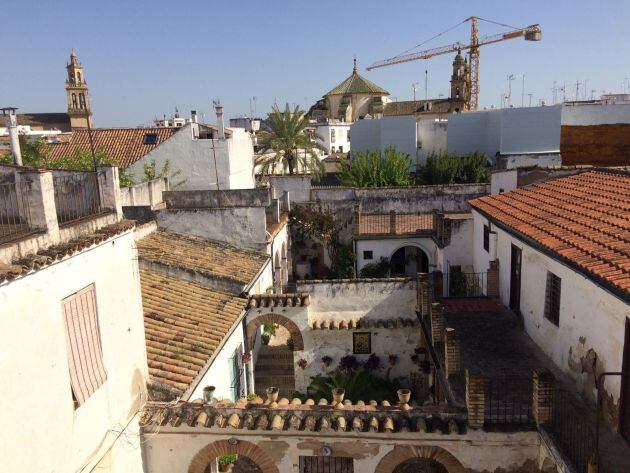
(10,121)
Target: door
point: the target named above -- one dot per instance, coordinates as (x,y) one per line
(624,413)
(515,280)
(326,465)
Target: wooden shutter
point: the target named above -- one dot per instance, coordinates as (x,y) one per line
(83,340)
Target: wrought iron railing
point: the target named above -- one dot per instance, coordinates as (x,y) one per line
(508,401)
(460,284)
(15,213)
(77,196)
(572,428)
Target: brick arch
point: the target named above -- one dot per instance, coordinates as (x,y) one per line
(294,331)
(210,452)
(403,453)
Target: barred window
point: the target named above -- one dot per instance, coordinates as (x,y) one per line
(83,341)
(552,298)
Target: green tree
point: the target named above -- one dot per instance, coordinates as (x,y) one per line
(445,168)
(288,143)
(371,169)
(34,153)
(151,172)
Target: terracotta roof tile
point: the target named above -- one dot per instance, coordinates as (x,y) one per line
(184,324)
(124,145)
(206,257)
(584,219)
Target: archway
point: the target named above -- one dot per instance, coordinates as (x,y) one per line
(408,261)
(205,458)
(274,361)
(404,457)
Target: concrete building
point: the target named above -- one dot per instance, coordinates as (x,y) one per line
(333,136)
(563,269)
(71,328)
(353,99)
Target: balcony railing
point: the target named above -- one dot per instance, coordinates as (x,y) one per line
(460,284)
(77,195)
(14,211)
(508,401)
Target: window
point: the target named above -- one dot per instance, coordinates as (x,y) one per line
(74,101)
(486,238)
(83,341)
(326,464)
(362,343)
(552,298)
(368,254)
(81,101)
(332,135)
(149,139)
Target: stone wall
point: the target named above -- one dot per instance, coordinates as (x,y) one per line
(259,197)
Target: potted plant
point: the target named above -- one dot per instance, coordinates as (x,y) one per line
(404,395)
(349,363)
(226,462)
(246,358)
(208,393)
(272,395)
(326,360)
(302,363)
(264,338)
(338,395)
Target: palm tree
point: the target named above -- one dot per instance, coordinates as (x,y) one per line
(288,142)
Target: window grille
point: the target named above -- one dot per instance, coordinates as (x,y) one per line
(552,298)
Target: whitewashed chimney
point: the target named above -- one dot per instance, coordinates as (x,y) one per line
(193,116)
(218,108)
(10,121)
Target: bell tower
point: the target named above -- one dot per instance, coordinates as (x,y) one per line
(78,98)
(459,84)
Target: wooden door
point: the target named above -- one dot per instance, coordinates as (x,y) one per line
(515,280)
(624,412)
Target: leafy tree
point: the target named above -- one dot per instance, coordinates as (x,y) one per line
(321,224)
(125,178)
(34,153)
(379,269)
(444,168)
(151,173)
(288,142)
(371,169)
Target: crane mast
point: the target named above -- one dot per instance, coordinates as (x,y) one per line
(530,33)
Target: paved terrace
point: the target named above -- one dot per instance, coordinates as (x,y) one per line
(494,344)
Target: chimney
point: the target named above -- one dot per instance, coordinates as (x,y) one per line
(10,121)
(219,110)
(193,116)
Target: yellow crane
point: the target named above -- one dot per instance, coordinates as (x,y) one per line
(530,33)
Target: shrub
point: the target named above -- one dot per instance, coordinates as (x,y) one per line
(371,169)
(379,269)
(359,385)
(447,168)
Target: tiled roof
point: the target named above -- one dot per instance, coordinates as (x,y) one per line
(583,219)
(308,416)
(363,323)
(184,323)
(278,300)
(274,228)
(411,107)
(356,84)
(124,145)
(47,121)
(377,224)
(54,253)
(208,258)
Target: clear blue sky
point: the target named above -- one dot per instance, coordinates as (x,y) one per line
(143,58)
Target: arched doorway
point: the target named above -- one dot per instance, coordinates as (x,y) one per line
(275,338)
(403,459)
(251,455)
(408,261)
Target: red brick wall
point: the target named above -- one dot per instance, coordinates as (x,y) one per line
(603,145)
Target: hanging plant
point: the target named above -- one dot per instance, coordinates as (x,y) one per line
(302,363)
(326,360)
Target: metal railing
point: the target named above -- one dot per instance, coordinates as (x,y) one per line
(77,196)
(508,401)
(15,214)
(460,284)
(394,223)
(572,428)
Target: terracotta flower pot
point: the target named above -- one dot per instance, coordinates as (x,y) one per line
(208,393)
(404,395)
(338,395)
(272,395)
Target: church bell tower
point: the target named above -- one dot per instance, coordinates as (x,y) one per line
(78,98)
(459,84)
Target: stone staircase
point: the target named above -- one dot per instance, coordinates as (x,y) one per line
(274,367)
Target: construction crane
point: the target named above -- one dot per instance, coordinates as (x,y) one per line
(530,33)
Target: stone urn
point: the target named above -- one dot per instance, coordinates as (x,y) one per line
(404,395)
(208,394)
(338,395)
(272,396)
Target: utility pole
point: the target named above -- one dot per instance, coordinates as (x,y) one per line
(426,84)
